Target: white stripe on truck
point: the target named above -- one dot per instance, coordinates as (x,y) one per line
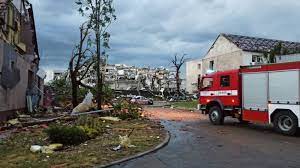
(219,93)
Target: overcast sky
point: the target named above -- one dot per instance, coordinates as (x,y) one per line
(149,32)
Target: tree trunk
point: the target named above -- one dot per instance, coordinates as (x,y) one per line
(98,43)
(74,90)
(177,81)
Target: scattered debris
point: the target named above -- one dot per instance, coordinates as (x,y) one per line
(46,149)
(200,137)
(86,105)
(125,141)
(111,118)
(117,148)
(14,122)
(222,132)
(55,147)
(35,148)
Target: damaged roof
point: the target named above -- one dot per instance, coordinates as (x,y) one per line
(255,44)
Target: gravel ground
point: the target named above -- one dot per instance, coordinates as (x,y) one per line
(196,143)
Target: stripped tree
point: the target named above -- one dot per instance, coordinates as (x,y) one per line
(178,62)
(81,62)
(100,13)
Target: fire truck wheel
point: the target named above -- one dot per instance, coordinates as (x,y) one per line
(286,123)
(216,115)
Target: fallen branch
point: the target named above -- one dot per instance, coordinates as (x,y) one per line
(92,112)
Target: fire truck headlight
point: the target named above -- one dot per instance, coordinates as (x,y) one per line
(207,100)
(233,100)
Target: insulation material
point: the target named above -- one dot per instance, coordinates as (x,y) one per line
(86,105)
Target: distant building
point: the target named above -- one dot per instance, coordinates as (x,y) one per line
(21,79)
(58,74)
(124,77)
(232,51)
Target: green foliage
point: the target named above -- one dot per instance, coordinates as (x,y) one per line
(91,124)
(67,135)
(107,93)
(186,104)
(101,13)
(126,110)
(63,90)
(85,127)
(90,132)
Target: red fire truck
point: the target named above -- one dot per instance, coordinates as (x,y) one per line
(262,93)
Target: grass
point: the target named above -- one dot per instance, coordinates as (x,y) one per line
(186,105)
(14,152)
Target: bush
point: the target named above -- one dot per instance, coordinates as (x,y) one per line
(67,135)
(91,126)
(125,110)
(90,132)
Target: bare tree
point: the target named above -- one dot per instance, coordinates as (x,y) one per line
(177,62)
(80,63)
(101,15)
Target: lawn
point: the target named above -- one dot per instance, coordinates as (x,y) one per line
(14,151)
(185,104)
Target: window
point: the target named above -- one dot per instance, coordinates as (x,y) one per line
(30,79)
(211,65)
(12,65)
(225,81)
(206,83)
(257,59)
(199,66)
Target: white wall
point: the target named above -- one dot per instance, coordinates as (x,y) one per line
(221,46)
(225,55)
(247,57)
(192,73)
(288,58)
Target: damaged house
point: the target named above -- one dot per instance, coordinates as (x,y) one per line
(21,80)
(231,51)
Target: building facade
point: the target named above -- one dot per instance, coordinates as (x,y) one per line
(21,79)
(233,51)
(193,74)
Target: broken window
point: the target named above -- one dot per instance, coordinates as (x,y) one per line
(211,65)
(257,59)
(30,79)
(199,66)
(12,65)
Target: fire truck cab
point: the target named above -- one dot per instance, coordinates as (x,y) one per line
(263,93)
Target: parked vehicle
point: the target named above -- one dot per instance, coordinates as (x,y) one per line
(265,93)
(141,100)
(178,98)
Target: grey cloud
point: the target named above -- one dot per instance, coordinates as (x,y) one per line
(149,32)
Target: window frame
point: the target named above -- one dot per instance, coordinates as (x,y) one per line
(225,83)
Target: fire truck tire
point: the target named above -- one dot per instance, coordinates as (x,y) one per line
(216,115)
(285,123)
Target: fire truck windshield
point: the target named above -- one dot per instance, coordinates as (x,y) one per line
(206,83)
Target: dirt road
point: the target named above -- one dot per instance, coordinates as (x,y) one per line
(196,143)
